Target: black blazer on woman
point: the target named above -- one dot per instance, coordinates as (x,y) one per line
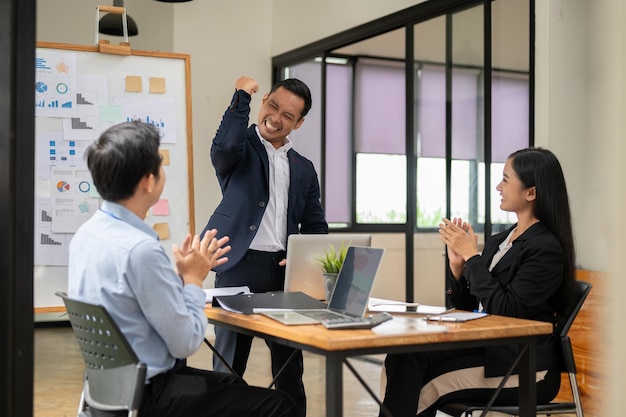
(522,284)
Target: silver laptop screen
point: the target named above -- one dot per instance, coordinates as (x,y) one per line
(355,280)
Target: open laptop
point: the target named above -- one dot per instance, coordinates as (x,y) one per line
(301,272)
(350,295)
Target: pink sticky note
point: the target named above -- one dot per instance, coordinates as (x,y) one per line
(161,208)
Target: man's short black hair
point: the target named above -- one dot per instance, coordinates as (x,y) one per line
(121,157)
(299,88)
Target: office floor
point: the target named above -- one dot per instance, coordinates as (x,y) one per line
(59,368)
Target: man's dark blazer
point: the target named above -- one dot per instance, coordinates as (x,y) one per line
(242,169)
(522,284)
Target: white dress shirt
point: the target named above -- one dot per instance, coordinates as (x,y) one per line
(272,233)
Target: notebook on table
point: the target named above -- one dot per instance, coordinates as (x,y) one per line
(302,273)
(348,301)
(255,302)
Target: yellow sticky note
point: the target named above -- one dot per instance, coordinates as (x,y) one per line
(162,229)
(165,156)
(157,85)
(133,84)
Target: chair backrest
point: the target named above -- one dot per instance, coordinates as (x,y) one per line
(114,376)
(581,291)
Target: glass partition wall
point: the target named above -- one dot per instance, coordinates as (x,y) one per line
(414,115)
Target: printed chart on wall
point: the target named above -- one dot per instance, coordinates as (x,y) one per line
(79,93)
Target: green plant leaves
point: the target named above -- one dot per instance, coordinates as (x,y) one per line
(330,262)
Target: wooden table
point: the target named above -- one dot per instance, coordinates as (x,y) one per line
(405,333)
(45,310)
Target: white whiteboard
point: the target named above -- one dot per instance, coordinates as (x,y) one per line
(172,73)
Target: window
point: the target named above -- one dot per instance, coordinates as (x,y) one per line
(380,138)
(379,144)
(380,188)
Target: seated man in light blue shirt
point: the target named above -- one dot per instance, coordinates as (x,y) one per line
(117,261)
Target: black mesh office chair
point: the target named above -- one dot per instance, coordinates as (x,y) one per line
(467,409)
(114,378)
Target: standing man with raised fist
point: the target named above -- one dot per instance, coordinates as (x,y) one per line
(269,191)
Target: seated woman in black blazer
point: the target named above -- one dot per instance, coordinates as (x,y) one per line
(527,271)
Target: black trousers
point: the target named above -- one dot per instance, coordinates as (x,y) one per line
(407,373)
(184,392)
(261,273)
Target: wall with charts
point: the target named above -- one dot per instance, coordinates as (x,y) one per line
(79,92)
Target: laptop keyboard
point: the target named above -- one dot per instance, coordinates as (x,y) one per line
(356,322)
(324,315)
(332,320)
(347,323)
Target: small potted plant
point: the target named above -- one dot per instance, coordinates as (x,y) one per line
(330,263)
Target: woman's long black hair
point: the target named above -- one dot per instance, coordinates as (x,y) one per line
(540,168)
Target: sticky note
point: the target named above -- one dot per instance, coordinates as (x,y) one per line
(157,85)
(165,156)
(111,113)
(162,229)
(161,208)
(133,84)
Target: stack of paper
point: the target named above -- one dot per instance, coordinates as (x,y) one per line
(212,292)
(392,306)
(458,316)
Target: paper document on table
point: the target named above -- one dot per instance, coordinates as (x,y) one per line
(458,316)
(393,306)
(211,292)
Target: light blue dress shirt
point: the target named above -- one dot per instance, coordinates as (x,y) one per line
(116,260)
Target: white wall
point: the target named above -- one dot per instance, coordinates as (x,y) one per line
(605,191)
(225,40)
(561,106)
(298,22)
